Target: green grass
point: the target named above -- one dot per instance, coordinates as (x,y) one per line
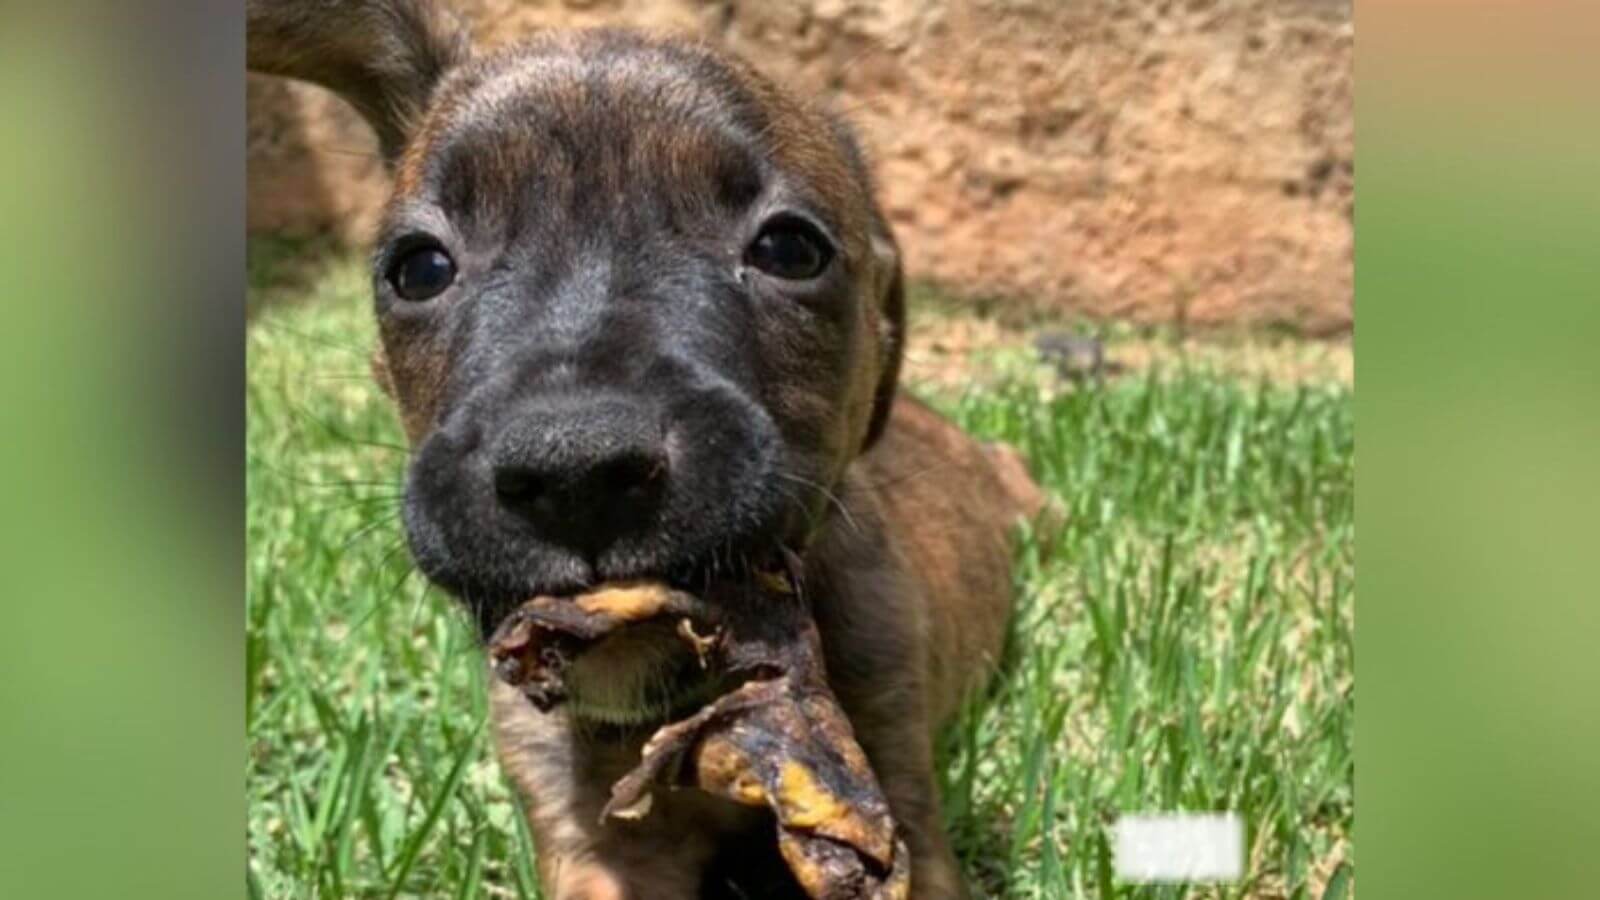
(1185,641)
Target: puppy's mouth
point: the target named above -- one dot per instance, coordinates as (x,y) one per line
(644,673)
(495,595)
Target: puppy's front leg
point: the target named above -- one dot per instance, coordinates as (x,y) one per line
(564,777)
(875,637)
(890,724)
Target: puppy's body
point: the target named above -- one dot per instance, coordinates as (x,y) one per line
(643,319)
(911,584)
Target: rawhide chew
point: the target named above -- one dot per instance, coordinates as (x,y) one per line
(779,739)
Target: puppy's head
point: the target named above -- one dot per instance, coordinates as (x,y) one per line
(638,308)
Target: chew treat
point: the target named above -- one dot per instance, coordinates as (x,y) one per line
(781,741)
(534,646)
(778,740)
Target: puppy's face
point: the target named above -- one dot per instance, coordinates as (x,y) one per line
(638,311)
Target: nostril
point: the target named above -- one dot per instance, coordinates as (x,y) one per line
(635,476)
(622,481)
(518,487)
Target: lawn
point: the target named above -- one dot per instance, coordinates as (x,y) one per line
(1186,642)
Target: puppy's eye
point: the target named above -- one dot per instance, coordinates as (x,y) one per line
(422,273)
(791,250)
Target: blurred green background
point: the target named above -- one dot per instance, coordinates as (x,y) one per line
(1478,293)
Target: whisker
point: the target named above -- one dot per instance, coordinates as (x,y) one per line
(397,484)
(374,500)
(794,500)
(363,349)
(910,476)
(334,432)
(342,151)
(341,376)
(830,496)
(367,529)
(383,598)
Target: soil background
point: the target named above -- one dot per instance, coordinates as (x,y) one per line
(1156,162)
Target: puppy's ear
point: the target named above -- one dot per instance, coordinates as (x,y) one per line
(383,56)
(891,333)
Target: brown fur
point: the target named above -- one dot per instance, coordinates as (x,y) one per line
(907,559)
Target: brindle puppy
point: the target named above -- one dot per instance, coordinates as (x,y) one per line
(643,319)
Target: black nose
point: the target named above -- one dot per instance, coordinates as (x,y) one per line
(582,473)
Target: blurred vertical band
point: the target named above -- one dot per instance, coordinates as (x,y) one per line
(1478,410)
(121,269)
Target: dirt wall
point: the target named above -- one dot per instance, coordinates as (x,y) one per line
(1113,158)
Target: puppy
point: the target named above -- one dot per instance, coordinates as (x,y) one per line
(642,318)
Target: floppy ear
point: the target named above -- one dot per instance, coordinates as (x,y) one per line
(383,56)
(891,334)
